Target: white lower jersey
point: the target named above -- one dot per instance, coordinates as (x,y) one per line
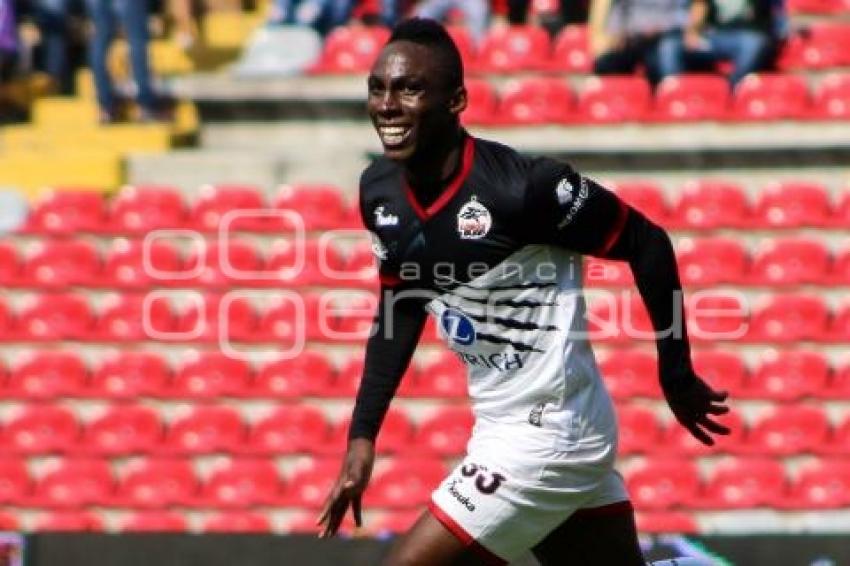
(545,435)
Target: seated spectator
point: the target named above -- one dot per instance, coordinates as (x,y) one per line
(739,31)
(628,33)
(552,15)
(8,40)
(52,19)
(321,15)
(476,13)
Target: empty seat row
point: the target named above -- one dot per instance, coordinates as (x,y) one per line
(529,48)
(200,375)
(157,261)
(138,210)
(758,97)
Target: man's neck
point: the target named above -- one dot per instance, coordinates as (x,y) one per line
(431,171)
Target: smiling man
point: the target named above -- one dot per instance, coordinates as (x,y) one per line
(490,242)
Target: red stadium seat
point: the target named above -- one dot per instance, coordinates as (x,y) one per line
(205,430)
(309,485)
(822,484)
(293,378)
(46,375)
(840,272)
(75,483)
(537,100)
(223,264)
(290,319)
(11,266)
(838,386)
(361,266)
(295,263)
(482,102)
(129,375)
(242,483)
(154,522)
(54,264)
(571,51)
(444,377)
(445,432)
(666,523)
(607,273)
(352,49)
(630,373)
(839,326)
(646,196)
(40,429)
(614,99)
(53,317)
(838,443)
(213,204)
(289,429)
(692,97)
(351,318)
(348,379)
(790,261)
(788,376)
(723,370)
(793,204)
(676,440)
(791,430)
(155,483)
(134,317)
(709,261)
(832,97)
(15,482)
(620,319)
(640,431)
(823,45)
(210,374)
(125,264)
(715,315)
(706,204)
(319,206)
(123,430)
(9,522)
(219,317)
(816,6)
(789,318)
(143,208)
(405,483)
(515,48)
(395,436)
(659,484)
(744,483)
(69,521)
(771,97)
(66,212)
(237,522)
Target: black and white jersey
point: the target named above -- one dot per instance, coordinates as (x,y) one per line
(499,256)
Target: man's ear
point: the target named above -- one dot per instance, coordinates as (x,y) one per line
(458,101)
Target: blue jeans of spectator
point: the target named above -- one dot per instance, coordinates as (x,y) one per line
(321,15)
(52,17)
(475,13)
(662,56)
(133,15)
(748,50)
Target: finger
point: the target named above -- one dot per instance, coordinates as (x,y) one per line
(713,426)
(717,409)
(326,508)
(719,396)
(700,435)
(357,509)
(337,515)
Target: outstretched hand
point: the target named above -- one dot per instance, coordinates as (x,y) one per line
(349,487)
(694,402)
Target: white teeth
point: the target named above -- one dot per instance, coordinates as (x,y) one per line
(392,135)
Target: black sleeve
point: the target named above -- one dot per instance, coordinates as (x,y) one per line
(650,254)
(398,326)
(567,209)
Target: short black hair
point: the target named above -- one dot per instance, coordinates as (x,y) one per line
(432,34)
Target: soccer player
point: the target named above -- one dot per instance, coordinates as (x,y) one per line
(490,243)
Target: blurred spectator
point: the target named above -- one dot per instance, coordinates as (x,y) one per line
(8,40)
(133,15)
(185,14)
(51,17)
(321,15)
(628,33)
(550,14)
(476,13)
(739,31)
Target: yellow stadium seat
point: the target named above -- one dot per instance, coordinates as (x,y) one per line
(65,111)
(168,58)
(230,30)
(32,172)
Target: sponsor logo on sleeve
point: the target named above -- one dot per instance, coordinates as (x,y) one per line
(378,247)
(577,203)
(383,218)
(473,220)
(564,192)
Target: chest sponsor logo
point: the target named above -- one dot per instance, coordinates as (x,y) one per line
(473,220)
(564,192)
(383,218)
(378,247)
(457,327)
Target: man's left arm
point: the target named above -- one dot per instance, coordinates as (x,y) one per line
(565,208)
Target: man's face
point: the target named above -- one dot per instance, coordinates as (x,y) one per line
(410,103)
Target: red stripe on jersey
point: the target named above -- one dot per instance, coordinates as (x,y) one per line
(618,508)
(463,536)
(615,232)
(389,280)
(450,191)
